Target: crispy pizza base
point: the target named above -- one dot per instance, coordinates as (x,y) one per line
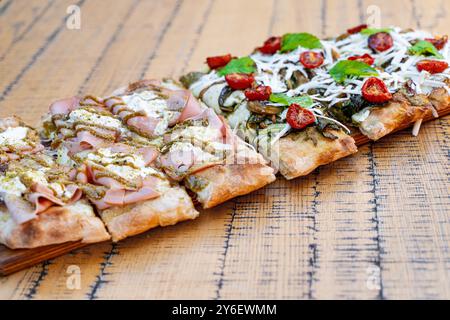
(401,112)
(75,222)
(224,182)
(171,207)
(300,153)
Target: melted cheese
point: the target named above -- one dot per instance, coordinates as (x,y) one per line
(84,116)
(12,186)
(153,106)
(14,136)
(114,162)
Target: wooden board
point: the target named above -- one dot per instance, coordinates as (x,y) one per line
(374,225)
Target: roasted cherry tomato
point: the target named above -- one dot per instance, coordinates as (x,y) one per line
(298,117)
(357,29)
(366,58)
(311,59)
(260,93)
(381,41)
(271,45)
(439,43)
(239,81)
(375,90)
(432,66)
(218,61)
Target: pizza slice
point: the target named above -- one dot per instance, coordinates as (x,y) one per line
(409,79)
(114,167)
(256,96)
(298,99)
(39,204)
(198,148)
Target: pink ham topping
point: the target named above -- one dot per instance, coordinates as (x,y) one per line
(40,199)
(181,101)
(10,154)
(117,193)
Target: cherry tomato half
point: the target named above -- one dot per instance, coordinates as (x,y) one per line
(298,117)
(381,41)
(357,29)
(260,93)
(271,45)
(366,58)
(432,66)
(439,43)
(375,90)
(239,81)
(218,61)
(311,59)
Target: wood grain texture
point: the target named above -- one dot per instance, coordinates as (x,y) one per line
(371,226)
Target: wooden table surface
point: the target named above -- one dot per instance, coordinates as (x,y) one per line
(372,226)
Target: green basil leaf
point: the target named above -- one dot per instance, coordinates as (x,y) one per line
(241,65)
(346,68)
(425,48)
(292,41)
(371,31)
(304,101)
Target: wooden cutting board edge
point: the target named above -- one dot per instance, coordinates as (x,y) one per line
(15,260)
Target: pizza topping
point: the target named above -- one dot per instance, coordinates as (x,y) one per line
(271,45)
(17,140)
(374,90)
(292,41)
(239,81)
(299,117)
(198,143)
(357,29)
(311,59)
(218,61)
(347,68)
(259,93)
(438,42)
(365,58)
(432,66)
(425,48)
(263,108)
(380,42)
(242,65)
(371,31)
(120,175)
(33,184)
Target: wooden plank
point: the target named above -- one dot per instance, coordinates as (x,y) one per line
(22,18)
(309,238)
(23,55)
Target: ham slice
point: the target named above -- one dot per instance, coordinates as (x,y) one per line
(192,108)
(40,199)
(181,101)
(64,106)
(118,194)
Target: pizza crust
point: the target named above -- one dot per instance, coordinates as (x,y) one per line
(387,118)
(440,99)
(302,152)
(75,222)
(171,207)
(224,182)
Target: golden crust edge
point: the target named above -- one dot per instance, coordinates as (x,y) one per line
(54,226)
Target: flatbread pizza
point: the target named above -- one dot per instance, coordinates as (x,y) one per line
(198,149)
(298,99)
(114,167)
(40,205)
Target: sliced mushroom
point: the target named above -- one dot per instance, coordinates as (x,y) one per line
(263,109)
(188,79)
